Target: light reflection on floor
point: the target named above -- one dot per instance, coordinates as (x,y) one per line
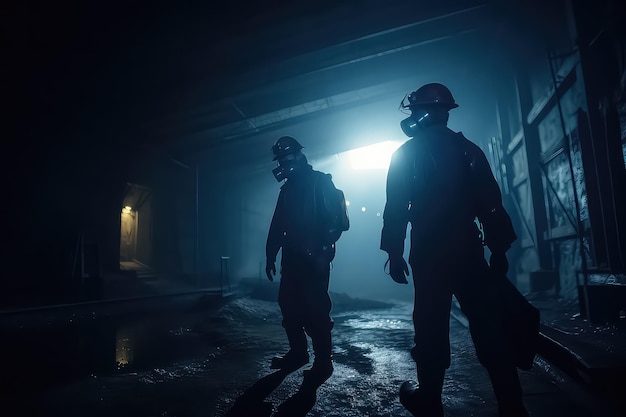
(197,363)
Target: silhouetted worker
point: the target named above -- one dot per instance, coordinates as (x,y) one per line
(441,182)
(303,226)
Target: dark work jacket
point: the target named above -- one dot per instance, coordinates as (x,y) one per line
(301,218)
(440,182)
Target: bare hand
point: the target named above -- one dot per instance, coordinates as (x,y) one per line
(270,270)
(399,270)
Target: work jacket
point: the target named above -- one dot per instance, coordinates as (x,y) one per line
(301,219)
(442,184)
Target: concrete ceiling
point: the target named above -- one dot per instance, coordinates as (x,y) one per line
(193,78)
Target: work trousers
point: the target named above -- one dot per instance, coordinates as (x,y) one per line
(305,303)
(436,280)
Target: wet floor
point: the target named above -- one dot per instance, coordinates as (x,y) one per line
(204,359)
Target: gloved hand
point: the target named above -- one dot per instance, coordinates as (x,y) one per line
(499,264)
(398,269)
(270,269)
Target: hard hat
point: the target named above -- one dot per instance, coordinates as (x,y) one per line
(429,94)
(285,145)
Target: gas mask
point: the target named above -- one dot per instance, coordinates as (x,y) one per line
(419,115)
(279,173)
(411,124)
(286,166)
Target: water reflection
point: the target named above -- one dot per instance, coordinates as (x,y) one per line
(370,322)
(49,348)
(124,352)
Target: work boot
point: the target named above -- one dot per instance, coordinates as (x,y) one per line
(290,362)
(418,403)
(322,367)
(319,372)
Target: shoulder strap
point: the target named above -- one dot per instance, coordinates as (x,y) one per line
(317,191)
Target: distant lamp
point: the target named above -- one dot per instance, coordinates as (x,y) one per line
(127,210)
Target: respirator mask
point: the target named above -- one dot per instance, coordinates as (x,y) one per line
(418,116)
(410,125)
(286,166)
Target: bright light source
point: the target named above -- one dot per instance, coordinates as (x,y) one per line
(347,202)
(127,210)
(375,156)
(363,209)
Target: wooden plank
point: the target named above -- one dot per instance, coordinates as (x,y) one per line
(515,141)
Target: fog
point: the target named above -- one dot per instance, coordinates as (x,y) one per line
(358,266)
(244,170)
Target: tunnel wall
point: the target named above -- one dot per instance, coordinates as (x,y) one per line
(560,157)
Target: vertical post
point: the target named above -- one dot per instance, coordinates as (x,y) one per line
(568,150)
(224,274)
(196,250)
(597,39)
(82,263)
(532,145)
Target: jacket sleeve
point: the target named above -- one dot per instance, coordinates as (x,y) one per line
(497,225)
(396,213)
(276,232)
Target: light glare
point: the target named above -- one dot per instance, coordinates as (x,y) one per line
(376,156)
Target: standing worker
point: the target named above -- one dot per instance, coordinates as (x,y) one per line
(307,222)
(440,182)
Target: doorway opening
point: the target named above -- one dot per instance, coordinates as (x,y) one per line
(136,230)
